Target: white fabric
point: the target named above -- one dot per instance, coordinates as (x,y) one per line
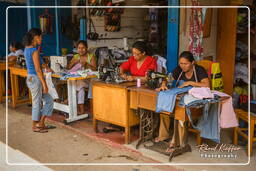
(161,63)
(16,53)
(51,88)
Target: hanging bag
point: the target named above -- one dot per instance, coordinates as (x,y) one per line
(92,35)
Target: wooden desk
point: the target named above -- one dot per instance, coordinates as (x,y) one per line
(111,104)
(16,71)
(2,82)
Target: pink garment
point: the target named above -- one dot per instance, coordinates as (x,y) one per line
(227,116)
(75,68)
(201,92)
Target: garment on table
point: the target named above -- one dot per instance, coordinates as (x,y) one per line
(166,99)
(227,116)
(208,124)
(28,52)
(131,66)
(65,76)
(201,92)
(76,67)
(16,53)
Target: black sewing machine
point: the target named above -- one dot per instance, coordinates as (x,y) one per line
(21,61)
(155,79)
(109,63)
(108,74)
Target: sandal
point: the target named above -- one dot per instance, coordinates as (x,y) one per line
(171,148)
(49,127)
(39,130)
(46,127)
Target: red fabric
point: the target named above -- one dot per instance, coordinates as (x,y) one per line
(131,66)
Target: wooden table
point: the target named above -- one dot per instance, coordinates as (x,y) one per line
(111,104)
(3,68)
(16,71)
(70,108)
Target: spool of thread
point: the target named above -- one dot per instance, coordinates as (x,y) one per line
(125,43)
(138,83)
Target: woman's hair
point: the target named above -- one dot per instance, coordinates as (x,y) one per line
(29,36)
(187,55)
(141,46)
(16,45)
(82,42)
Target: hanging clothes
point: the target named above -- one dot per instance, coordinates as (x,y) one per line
(196,31)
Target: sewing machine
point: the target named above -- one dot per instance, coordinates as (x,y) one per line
(58,63)
(155,79)
(21,61)
(108,74)
(109,62)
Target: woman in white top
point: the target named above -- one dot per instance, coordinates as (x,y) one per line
(15,51)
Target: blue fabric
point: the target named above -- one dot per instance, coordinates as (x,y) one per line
(65,76)
(28,52)
(208,124)
(166,99)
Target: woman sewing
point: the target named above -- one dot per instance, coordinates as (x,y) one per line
(84,60)
(192,75)
(138,64)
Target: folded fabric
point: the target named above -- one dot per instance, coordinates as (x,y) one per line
(227,116)
(201,92)
(186,99)
(166,99)
(65,76)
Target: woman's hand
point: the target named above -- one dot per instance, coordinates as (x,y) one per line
(163,87)
(45,89)
(187,83)
(130,78)
(124,76)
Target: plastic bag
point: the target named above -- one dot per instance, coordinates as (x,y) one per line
(216,77)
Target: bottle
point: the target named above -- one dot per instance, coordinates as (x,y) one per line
(138,82)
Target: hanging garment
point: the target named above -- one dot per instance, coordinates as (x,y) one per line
(208,124)
(227,116)
(51,88)
(196,31)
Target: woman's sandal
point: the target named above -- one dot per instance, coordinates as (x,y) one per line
(47,127)
(171,148)
(39,130)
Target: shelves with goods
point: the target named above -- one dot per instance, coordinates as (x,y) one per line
(241,79)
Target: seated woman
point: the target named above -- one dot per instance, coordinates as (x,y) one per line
(138,64)
(192,75)
(15,51)
(88,61)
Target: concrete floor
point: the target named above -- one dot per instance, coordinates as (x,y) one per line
(77,143)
